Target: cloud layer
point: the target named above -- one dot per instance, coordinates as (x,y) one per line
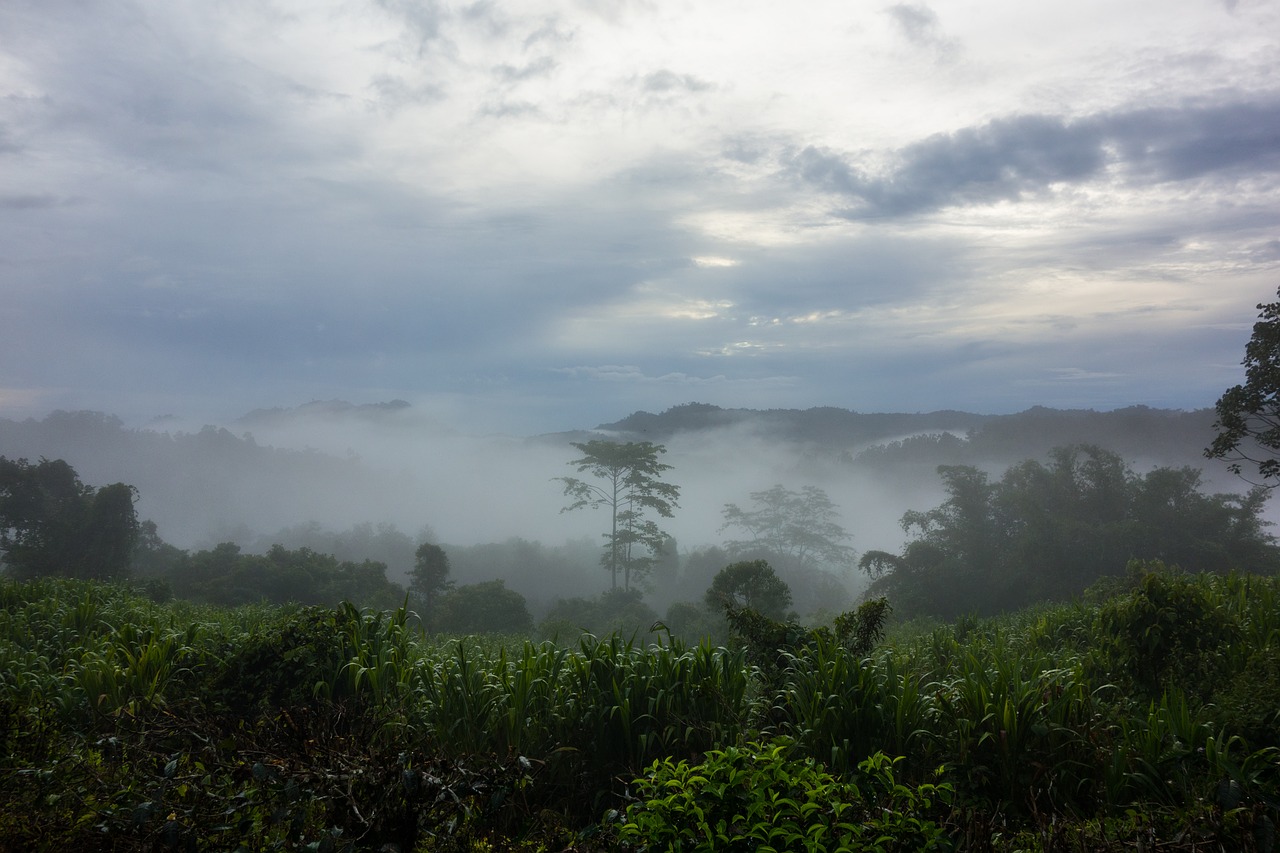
(538,217)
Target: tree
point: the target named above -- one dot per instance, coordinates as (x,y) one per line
(484,608)
(617,611)
(51,524)
(110,533)
(750,584)
(430,577)
(801,528)
(1046,532)
(631,488)
(1248,423)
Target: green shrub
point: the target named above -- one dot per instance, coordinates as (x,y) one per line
(1172,629)
(758,798)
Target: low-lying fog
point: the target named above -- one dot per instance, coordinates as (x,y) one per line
(348,466)
(476,489)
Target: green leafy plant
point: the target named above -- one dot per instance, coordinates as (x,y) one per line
(758,798)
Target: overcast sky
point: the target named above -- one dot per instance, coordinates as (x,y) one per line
(539,215)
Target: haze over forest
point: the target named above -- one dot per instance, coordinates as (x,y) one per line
(314,472)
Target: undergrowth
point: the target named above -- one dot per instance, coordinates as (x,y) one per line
(1144,717)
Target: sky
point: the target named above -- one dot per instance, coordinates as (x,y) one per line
(538,216)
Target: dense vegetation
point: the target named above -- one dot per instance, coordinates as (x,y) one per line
(1045,532)
(1146,716)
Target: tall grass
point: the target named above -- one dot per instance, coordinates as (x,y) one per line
(1048,715)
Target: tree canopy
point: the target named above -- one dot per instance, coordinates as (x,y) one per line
(224,576)
(750,584)
(630,486)
(483,608)
(1248,423)
(430,578)
(1047,531)
(51,524)
(799,528)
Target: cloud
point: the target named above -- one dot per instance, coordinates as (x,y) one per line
(423,19)
(790,208)
(919,24)
(665,80)
(540,67)
(1180,144)
(30,201)
(1022,156)
(632,373)
(7,144)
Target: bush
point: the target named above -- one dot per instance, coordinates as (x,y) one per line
(483,608)
(757,798)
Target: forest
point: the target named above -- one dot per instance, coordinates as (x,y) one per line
(1067,652)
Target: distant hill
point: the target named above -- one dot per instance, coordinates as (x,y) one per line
(826,425)
(1140,434)
(320,409)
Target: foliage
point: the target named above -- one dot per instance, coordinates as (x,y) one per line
(631,488)
(613,611)
(1047,532)
(430,578)
(224,576)
(1248,424)
(1169,631)
(132,725)
(800,528)
(51,524)
(382,542)
(483,608)
(756,797)
(696,622)
(749,584)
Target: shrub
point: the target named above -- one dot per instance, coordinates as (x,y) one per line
(757,798)
(483,608)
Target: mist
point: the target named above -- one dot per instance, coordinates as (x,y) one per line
(333,467)
(467,490)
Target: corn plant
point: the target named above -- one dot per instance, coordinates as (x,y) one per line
(1019,729)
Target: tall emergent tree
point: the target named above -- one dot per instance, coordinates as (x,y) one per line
(51,524)
(797,528)
(630,488)
(1248,422)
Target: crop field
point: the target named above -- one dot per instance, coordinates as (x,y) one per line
(1143,717)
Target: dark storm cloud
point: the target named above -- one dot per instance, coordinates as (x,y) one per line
(1011,158)
(1173,145)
